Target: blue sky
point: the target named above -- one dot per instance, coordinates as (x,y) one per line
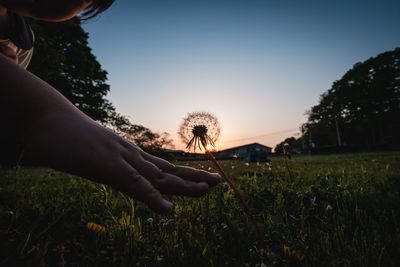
(256,65)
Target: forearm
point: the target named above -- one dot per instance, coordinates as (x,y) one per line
(26,99)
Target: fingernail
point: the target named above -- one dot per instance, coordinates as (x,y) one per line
(217,176)
(168,205)
(204,186)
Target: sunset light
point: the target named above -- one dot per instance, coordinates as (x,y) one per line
(200,133)
(260,65)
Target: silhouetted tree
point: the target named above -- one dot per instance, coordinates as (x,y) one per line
(363,106)
(140,135)
(63,58)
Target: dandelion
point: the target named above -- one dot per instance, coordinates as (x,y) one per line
(286,150)
(201,130)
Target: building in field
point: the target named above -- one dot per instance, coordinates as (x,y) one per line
(254,152)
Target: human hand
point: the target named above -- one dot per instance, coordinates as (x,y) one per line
(72,142)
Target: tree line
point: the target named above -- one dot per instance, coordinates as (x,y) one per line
(63,58)
(361,111)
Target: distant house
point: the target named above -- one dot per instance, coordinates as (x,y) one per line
(254,152)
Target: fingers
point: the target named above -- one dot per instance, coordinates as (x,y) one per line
(171,184)
(137,186)
(163,181)
(187,173)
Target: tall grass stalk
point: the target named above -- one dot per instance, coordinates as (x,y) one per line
(289,170)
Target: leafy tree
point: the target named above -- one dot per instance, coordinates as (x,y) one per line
(364,105)
(63,58)
(140,135)
(295,144)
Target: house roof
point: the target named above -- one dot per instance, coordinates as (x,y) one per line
(247,145)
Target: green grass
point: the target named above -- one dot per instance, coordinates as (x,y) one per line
(341,210)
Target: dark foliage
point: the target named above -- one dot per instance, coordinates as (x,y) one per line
(364,105)
(63,58)
(360,112)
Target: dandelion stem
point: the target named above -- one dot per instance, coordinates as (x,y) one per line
(239,196)
(288,169)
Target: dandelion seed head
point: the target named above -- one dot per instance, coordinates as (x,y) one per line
(286,147)
(199,130)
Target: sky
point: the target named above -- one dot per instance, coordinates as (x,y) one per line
(258,66)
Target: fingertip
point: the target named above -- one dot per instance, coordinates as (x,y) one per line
(216,175)
(163,207)
(167,205)
(201,189)
(216,179)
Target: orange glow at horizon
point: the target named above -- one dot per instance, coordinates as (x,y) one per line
(210,147)
(226,142)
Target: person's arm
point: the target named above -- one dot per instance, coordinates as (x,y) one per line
(54,133)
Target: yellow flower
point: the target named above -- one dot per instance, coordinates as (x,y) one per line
(96,228)
(292,254)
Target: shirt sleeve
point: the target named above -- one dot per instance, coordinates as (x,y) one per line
(24,58)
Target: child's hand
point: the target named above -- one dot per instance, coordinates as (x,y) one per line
(54,133)
(72,142)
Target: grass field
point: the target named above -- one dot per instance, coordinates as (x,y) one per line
(340,210)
